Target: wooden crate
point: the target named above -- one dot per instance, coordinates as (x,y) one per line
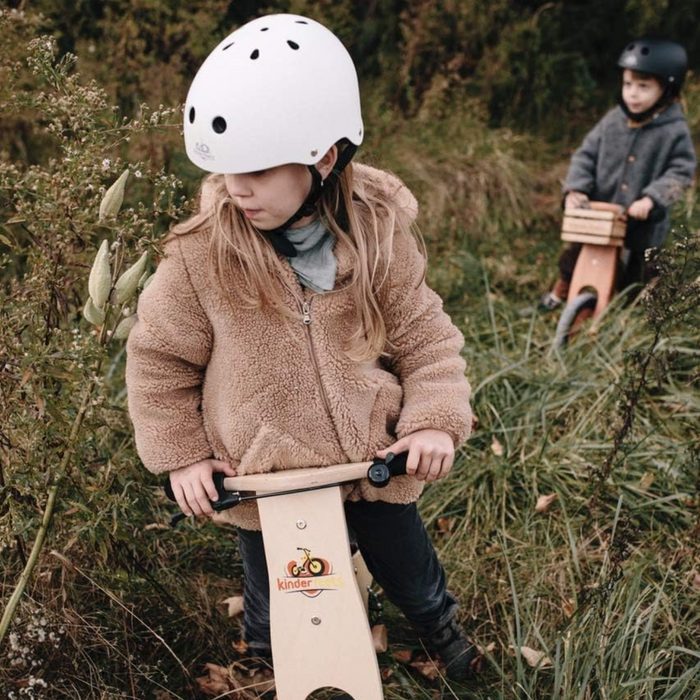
(594,226)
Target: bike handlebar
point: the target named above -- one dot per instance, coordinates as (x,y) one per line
(379,474)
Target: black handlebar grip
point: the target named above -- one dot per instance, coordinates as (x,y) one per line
(380,473)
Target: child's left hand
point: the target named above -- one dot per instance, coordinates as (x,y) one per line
(641,208)
(430,454)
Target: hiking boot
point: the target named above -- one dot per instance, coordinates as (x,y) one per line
(453,647)
(549,302)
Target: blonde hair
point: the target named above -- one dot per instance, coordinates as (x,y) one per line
(362,215)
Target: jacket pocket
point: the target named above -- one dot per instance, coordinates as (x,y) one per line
(274,450)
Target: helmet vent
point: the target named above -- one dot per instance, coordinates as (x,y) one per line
(265,29)
(191,115)
(228,46)
(300,21)
(645,51)
(219,125)
(255,54)
(630,47)
(293,45)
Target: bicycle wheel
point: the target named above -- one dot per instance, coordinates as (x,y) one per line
(574,313)
(315,567)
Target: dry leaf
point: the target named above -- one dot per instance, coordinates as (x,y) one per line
(568,607)
(493,548)
(403,656)
(216,682)
(379,638)
(543,502)
(157,526)
(496,447)
(646,481)
(241,646)
(696,580)
(235,605)
(386,673)
(475,422)
(535,658)
(445,525)
(429,669)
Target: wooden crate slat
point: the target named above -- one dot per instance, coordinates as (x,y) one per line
(591,214)
(573,225)
(575,237)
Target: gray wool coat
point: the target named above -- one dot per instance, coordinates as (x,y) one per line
(621,163)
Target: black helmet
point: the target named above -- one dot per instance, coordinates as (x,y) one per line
(663,59)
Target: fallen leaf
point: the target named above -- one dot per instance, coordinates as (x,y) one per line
(241,646)
(543,502)
(496,447)
(379,638)
(157,526)
(445,525)
(216,682)
(475,422)
(696,581)
(488,649)
(646,481)
(535,658)
(568,607)
(72,511)
(428,669)
(403,655)
(386,673)
(235,605)
(493,548)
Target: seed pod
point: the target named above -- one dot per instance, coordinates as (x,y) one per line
(125,327)
(93,314)
(126,312)
(100,278)
(128,283)
(112,201)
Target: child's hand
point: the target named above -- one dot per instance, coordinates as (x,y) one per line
(430,453)
(641,208)
(576,200)
(193,486)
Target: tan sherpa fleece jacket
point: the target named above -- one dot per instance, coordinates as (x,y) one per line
(207,378)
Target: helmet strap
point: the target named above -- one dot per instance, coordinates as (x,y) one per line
(276,236)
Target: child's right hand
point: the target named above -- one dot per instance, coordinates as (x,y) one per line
(193,486)
(576,200)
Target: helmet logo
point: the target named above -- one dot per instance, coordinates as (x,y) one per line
(203,151)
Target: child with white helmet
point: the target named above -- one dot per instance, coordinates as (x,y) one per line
(639,155)
(290,324)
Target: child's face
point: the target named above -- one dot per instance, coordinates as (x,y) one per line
(639,94)
(270,197)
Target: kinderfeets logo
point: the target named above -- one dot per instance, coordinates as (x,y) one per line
(310,575)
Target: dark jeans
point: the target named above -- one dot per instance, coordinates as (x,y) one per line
(398,552)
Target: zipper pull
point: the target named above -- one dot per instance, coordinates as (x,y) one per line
(306,310)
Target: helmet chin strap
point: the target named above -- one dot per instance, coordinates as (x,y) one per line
(276,236)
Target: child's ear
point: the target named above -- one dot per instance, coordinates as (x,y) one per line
(327,163)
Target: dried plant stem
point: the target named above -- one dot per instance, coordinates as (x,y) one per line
(46,520)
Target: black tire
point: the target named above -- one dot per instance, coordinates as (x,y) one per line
(586,301)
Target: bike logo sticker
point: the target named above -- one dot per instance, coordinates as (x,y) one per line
(310,575)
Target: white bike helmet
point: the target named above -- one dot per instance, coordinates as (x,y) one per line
(280,89)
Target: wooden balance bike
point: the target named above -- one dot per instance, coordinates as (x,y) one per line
(601,231)
(318,618)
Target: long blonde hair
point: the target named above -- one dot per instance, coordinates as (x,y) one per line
(362,215)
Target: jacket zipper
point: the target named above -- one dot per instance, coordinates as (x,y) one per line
(306,318)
